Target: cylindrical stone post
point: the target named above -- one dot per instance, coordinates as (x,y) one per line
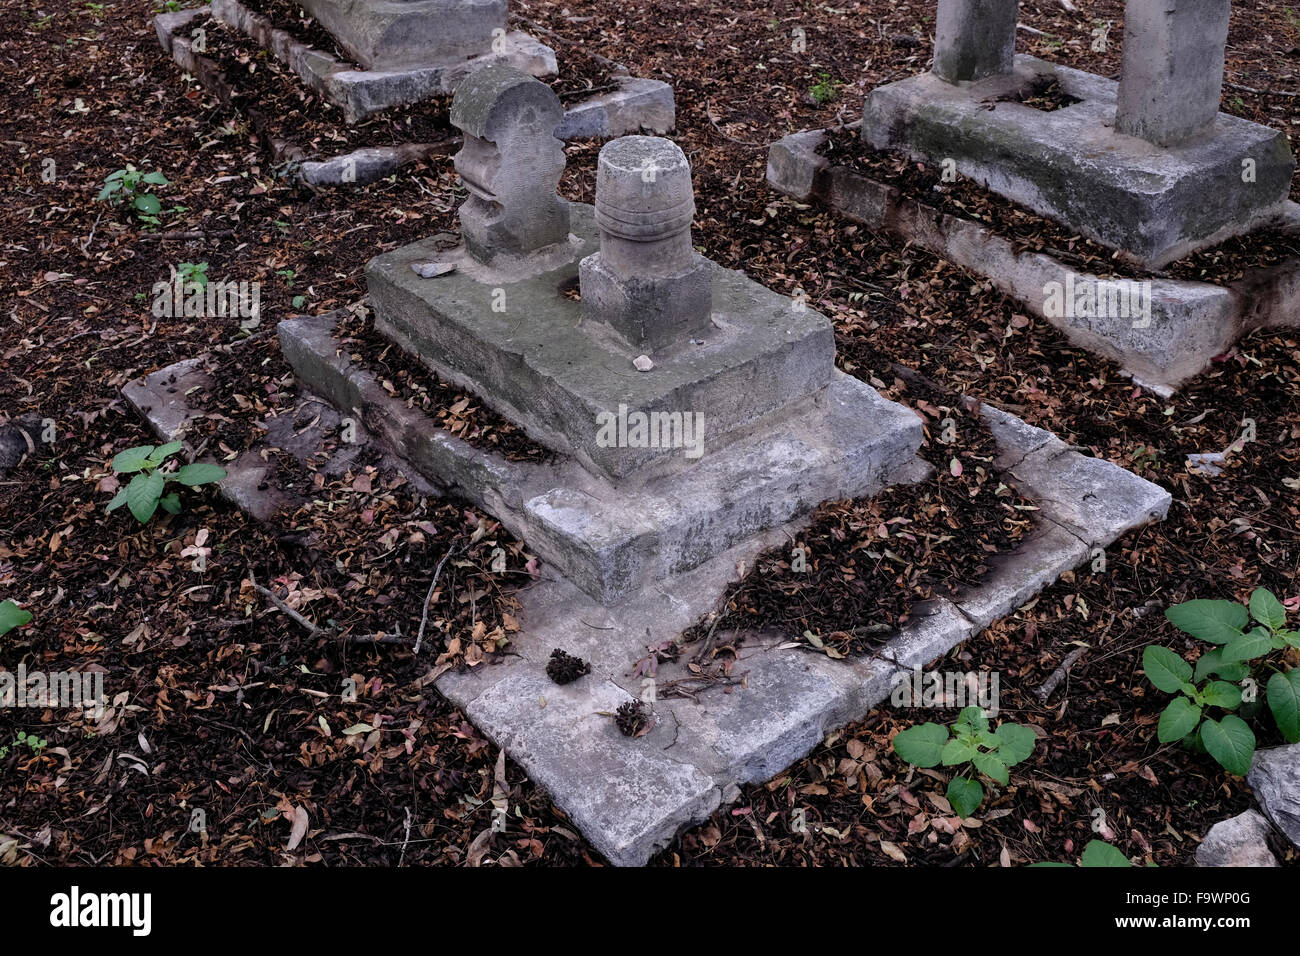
(974,39)
(1173,68)
(647,281)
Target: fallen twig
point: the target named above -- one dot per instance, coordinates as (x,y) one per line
(1058,675)
(424,618)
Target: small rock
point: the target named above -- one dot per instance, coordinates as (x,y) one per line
(431,270)
(1206,463)
(643,363)
(1240,841)
(1275,778)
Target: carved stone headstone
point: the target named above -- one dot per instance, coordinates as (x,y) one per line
(647,281)
(511,163)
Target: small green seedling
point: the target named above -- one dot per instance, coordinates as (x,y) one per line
(36,744)
(12,616)
(144,494)
(193,273)
(968,744)
(1214,682)
(1096,853)
(128,186)
(825,89)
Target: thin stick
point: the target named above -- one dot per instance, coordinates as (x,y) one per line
(424,619)
(1058,675)
(1251,89)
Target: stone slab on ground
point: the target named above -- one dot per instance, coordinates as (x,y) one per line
(1156,203)
(610,537)
(1275,778)
(1239,841)
(631,796)
(1189,324)
(637,103)
(553,377)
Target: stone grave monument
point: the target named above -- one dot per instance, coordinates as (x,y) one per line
(1147,166)
(694,415)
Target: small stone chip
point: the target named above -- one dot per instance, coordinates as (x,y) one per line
(431,270)
(643,363)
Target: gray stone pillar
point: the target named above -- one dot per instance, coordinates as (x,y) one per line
(647,281)
(974,39)
(510,162)
(1173,68)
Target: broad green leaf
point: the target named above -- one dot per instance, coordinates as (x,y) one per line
(965,795)
(148,204)
(1215,621)
(1219,693)
(1165,669)
(1283,692)
(921,745)
(109,189)
(1291,638)
(11,616)
(119,499)
(993,768)
(1248,647)
(974,717)
(161,453)
(142,495)
(170,503)
(1015,743)
(199,474)
(957,751)
(1206,664)
(1231,742)
(1100,853)
(156,179)
(1178,720)
(133,459)
(1267,609)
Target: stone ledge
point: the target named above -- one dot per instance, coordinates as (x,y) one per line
(1191,322)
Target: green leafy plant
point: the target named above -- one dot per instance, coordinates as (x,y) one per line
(12,616)
(825,89)
(145,492)
(970,745)
(1096,853)
(128,186)
(1213,684)
(193,273)
(36,744)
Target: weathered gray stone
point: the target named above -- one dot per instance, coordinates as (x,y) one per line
(647,281)
(1239,841)
(974,38)
(400,34)
(363,166)
(1172,76)
(1156,204)
(638,105)
(1189,322)
(1275,778)
(510,163)
(525,344)
(843,440)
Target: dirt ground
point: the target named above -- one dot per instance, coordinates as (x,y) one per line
(223,704)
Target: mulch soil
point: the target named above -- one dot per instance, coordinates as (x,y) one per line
(222,702)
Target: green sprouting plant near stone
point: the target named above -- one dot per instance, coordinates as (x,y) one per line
(37,744)
(970,745)
(12,616)
(144,494)
(127,186)
(1213,683)
(825,89)
(1097,853)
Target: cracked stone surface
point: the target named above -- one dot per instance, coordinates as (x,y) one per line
(1239,841)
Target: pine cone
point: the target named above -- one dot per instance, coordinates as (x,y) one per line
(565,668)
(631,717)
